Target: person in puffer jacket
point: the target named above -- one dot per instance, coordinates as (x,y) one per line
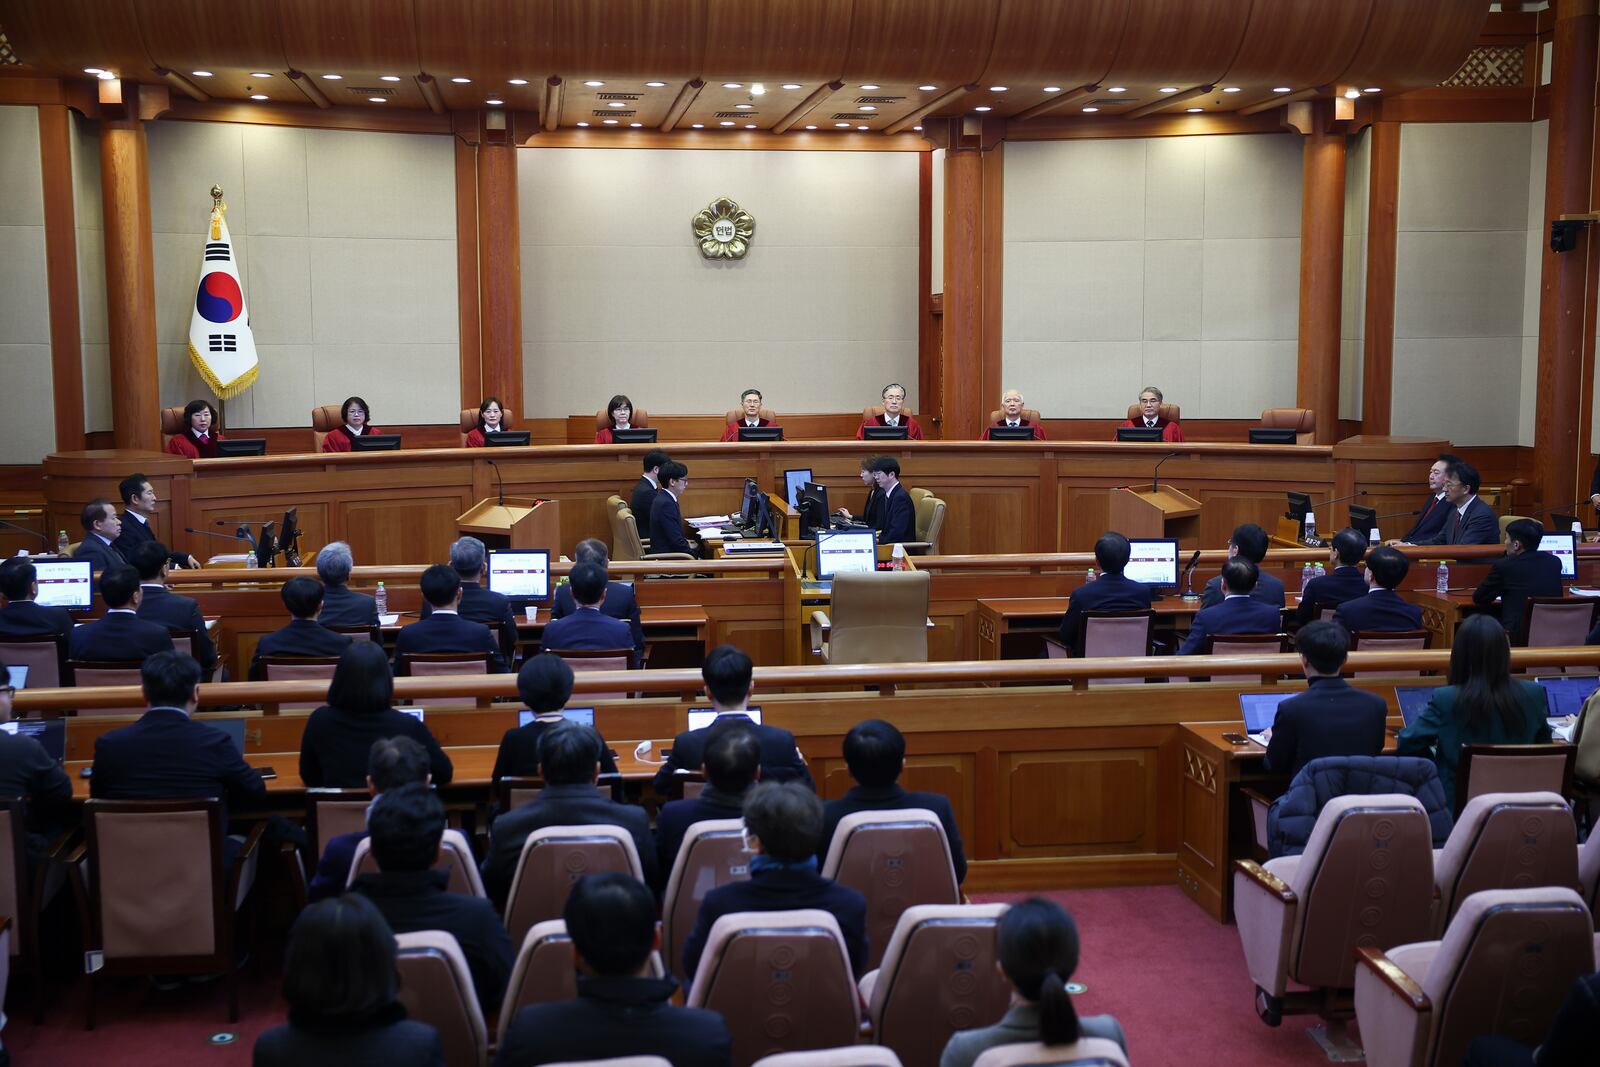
(1291,817)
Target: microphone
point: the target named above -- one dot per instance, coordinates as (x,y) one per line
(499,479)
(24,529)
(1155,475)
(1342,499)
(1560,507)
(1192,561)
(241,536)
(1401,515)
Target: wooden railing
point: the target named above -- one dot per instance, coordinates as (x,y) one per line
(365,577)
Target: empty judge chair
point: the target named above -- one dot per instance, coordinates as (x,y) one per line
(1301,420)
(598,659)
(1557,621)
(431,664)
(1389,641)
(752,965)
(469,421)
(455,856)
(324,418)
(436,988)
(938,976)
(735,415)
(1365,878)
(849,1056)
(331,812)
(930,520)
(1505,841)
(878,617)
(299,668)
(1514,769)
(85,673)
(602,419)
(1166,411)
(895,859)
(1503,967)
(1085,1052)
(712,855)
(42,655)
(553,858)
(544,972)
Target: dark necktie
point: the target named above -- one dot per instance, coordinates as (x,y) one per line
(1455,527)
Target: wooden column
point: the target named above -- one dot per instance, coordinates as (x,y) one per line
(61,269)
(1321,274)
(1559,435)
(130,270)
(970,361)
(500,273)
(1383,198)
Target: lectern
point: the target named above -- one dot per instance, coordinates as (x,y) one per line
(520,522)
(1164,512)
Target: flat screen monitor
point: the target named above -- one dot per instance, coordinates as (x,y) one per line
(1563,522)
(749,503)
(415,713)
(375,442)
(507,438)
(1565,695)
(700,718)
(1363,519)
(793,481)
(50,733)
(634,435)
(64,583)
(813,507)
(234,728)
(871,432)
(1299,506)
(1562,546)
(1273,435)
(1153,562)
(1261,709)
(846,552)
(1139,433)
(1412,699)
(520,573)
(761,433)
(242,446)
(581,716)
(1016,433)
(17,676)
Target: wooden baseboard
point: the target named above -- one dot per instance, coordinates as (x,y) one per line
(1080,872)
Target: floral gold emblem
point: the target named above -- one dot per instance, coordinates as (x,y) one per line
(724,229)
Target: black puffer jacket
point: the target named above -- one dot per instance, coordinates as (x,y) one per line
(1291,817)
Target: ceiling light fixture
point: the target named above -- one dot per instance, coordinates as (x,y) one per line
(93,70)
(1090,110)
(725,122)
(811,127)
(743,107)
(655,85)
(617,103)
(381,77)
(1052,88)
(997,88)
(757,89)
(697,125)
(927,88)
(1117,89)
(1167,89)
(583,124)
(636,125)
(609,122)
(867,107)
(863,127)
(842,125)
(594,84)
(791,85)
(1374,89)
(984,108)
(1230,88)
(494,102)
(1193,110)
(1282,89)
(512,81)
(377,100)
(1352,94)
(264,74)
(333,77)
(201,73)
(462,81)
(258,96)
(917,128)
(749,125)
(869,87)
(107,75)
(733,85)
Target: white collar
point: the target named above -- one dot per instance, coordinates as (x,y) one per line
(670,493)
(748,421)
(1149,422)
(622,426)
(445,611)
(1465,504)
(353,432)
(1014,422)
(1236,596)
(651,479)
(121,611)
(129,513)
(102,536)
(891,420)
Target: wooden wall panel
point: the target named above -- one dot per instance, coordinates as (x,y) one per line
(1079,802)
(399,528)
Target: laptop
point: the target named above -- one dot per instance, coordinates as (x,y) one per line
(234,728)
(1412,699)
(1260,711)
(1565,695)
(51,733)
(700,718)
(581,716)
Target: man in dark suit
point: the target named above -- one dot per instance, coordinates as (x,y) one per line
(620,603)
(138,508)
(621,1009)
(588,627)
(444,630)
(101,528)
(569,755)
(21,616)
(648,485)
(1469,521)
(783,824)
(341,605)
(545,685)
(727,672)
(666,520)
(1344,582)
(391,763)
(898,519)
(1330,718)
(1237,614)
(1381,609)
(304,636)
(470,560)
(875,752)
(1524,572)
(29,772)
(872,510)
(121,635)
(733,763)
(1248,542)
(169,609)
(1434,510)
(1111,591)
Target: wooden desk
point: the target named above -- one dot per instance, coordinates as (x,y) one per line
(1442,614)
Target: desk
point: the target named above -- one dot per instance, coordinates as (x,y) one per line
(664,624)
(1442,614)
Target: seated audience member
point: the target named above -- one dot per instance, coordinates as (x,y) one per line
(646,488)
(1110,591)
(354,412)
(875,753)
(138,508)
(733,763)
(899,514)
(621,1009)
(119,636)
(1524,572)
(619,603)
(1570,1041)
(1037,943)
(29,772)
(341,605)
(569,756)
(443,629)
(1150,416)
(728,675)
(340,982)
(391,763)
(1331,718)
(666,518)
(1344,582)
(588,627)
(1237,614)
(1249,541)
(169,609)
(1011,415)
(894,414)
(1431,516)
(101,528)
(22,615)
(620,412)
(1469,521)
(783,826)
(1381,609)
(406,828)
(199,437)
(360,710)
(1482,705)
(750,401)
(872,510)
(470,560)
(491,419)
(304,635)
(545,685)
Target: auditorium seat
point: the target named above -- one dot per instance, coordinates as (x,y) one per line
(432,664)
(1514,769)
(299,668)
(895,859)
(543,972)
(877,617)
(1117,634)
(1086,1052)
(553,857)
(1556,621)
(27,887)
(1389,641)
(1301,420)
(455,855)
(1505,841)
(331,812)
(712,854)
(436,988)
(1246,644)
(42,654)
(85,673)
(849,1056)
(515,790)
(1589,871)
(597,659)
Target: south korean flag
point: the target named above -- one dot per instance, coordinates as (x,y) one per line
(221,345)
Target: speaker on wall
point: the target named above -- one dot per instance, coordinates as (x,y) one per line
(1564,234)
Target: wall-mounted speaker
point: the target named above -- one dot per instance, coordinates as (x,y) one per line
(1564,234)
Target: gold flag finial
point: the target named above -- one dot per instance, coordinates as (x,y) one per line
(216,194)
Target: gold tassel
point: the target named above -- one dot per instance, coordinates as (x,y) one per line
(216,224)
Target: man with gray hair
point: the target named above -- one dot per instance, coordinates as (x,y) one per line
(341,605)
(894,413)
(470,561)
(1010,414)
(619,603)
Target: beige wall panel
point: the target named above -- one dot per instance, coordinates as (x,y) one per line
(24,292)
(1174,368)
(1462,384)
(27,404)
(1464,176)
(391,377)
(1251,289)
(23,201)
(402,292)
(1252,186)
(27,412)
(1075,379)
(275,160)
(381,185)
(1353,306)
(1240,378)
(281,290)
(1083,290)
(1173,273)
(1537,239)
(1175,189)
(286,396)
(186,160)
(1463,283)
(1094,191)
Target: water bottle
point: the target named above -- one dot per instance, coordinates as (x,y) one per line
(897,557)
(382,599)
(250,560)
(62,543)
(1088,575)
(1441,579)
(1306,574)
(1373,537)
(1311,528)
(1319,571)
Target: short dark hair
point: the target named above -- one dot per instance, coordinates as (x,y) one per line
(1112,551)
(787,817)
(655,458)
(874,751)
(727,672)
(592,550)
(118,586)
(405,826)
(1465,473)
(340,961)
(1240,575)
(396,761)
(302,596)
(1448,458)
(1351,544)
(93,512)
(671,471)
(344,410)
(733,755)
(611,918)
(886,465)
(750,392)
(195,407)
(1388,566)
(130,486)
(148,559)
(363,683)
(569,754)
(588,582)
(17,576)
(169,678)
(1325,645)
(1526,532)
(440,584)
(1251,541)
(545,682)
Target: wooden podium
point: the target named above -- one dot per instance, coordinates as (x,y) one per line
(518,523)
(1164,512)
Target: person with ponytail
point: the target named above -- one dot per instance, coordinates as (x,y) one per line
(1037,943)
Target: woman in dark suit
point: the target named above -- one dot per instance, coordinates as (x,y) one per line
(339,979)
(359,711)
(1482,705)
(199,437)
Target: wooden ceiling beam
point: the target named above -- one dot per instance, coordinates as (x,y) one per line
(922,111)
(806,106)
(1057,102)
(1169,100)
(1278,100)
(430,92)
(312,93)
(680,105)
(554,93)
(182,84)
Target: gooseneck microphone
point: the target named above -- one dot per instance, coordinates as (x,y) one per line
(1188,577)
(1155,475)
(498,478)
(23,529)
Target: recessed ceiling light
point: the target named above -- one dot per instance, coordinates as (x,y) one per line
(258,96)
(636,125)
(92,70)
(385,77)
(810,127)
(655,85)
(997,88)
(984,108)
(107,75)
(381,100)
(1374,89)
(697,125)
(733,85)
(617,103)
(927,88)
(264,74)
(791,85)
(1052,88)
(1168,89)
(609,122)
(583,124)
(333,77)
(757,89)
(749,125)
(842,125)
(494,102)
(869,87)
(1192,110)
(1090,110)
(1282,89)
(513,81)
(725,122)
(1117,89)
(1230,88)
(743,107)
(863,127)
(462,81)
(867,107)
(201,73)
(1352,94)
(917,128)
(594,84)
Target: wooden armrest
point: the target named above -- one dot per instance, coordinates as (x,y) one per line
(1398,981)
(917,548)
(668,555)
(820,625)
(1256,797)
(61,848)
(1264,878)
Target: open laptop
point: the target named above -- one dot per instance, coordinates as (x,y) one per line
(581,716)
(234,728)
(700,718)
(1564,697)
(1260,712)
(1563,546)
(51,733)
(1412,699)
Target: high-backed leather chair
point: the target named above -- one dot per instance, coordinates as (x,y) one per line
(1514,769)
(598,659)
(1085,1052)
(929,511)
(543,972)
(872,411)
(895,859)
(331,812)
(86,673)
(1166,411)
(1303,421)
(171,424)
(1030,414)
(639,421)
(712,854)
(1117,634)
(1389,641)
(298,668)
(324,418)
(42,654)
(455,856)
(429,664)
(849,1056)
(1505,841)
(626,544)
(436,988)
(878,617)
(553,858)
(1558,621)
(469,422)
(734,415)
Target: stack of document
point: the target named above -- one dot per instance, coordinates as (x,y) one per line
(747,548)
(704,522)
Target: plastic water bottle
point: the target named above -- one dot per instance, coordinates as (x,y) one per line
(1373,537)
(1577,532)
(382,599)
(1441,579)
(1319,571)
(897,557)
(1306,574)
(1088,575)
(62,543)
(250,560)
(1311,527)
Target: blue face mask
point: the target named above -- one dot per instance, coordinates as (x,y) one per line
(763,862)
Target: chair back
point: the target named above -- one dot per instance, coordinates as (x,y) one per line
(331,812)
(183,641)
(455,856)
(626,545)
(895,859)
(555,857)
(171,423)
(640,419)
(938,976)
(712,855)
(436,988)
(930,520)
(1117,634)
(1030,414)
(1514,769)
(1589,871)
(1301,420)
(87,673)
(1506,841)
(849,1056)
(1085,1052)
(544,972)
(16,891)
(156,888)
(469,420)
(1556,621)
(753,964)
(1245,644)
(879,617)
(433,664)
(1166,411)
(1389,641)
(598,659)
(872,411)
(324,417)
(737,415)
(361,633)
(42,655)
(296,668)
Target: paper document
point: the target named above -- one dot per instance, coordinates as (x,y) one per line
(390,618)
(708,520)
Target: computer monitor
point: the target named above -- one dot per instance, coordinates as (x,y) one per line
(871,432)
(234,728)
(1260,710)
(1564,694)
(1363,518)
(1299,505)
(581,716)
(242,446)
(50,733)
(700,718)
(507,438)
(1412,699)
(813,508)
(1273,435)
(749,503)
(1153,562)
(1139,433)
(793,480)
(634,435)
(846,552)
(520,573)
(375,442)
(415,713)
(761,433)
(1015,433)
(1562,546)
(17,675)
(64,583)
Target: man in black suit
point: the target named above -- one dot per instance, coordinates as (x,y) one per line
(621,1009)
(783,825)
(1248,542)
(728,673)
(101,528)
(875,752)
(1237,614)
(120,636)
(619,603)
(29,772)
(1111,591)
(406,828)
(444,630)
(733,763)
(391,763)
(1434,510)
(479,603)
(1344,582)
(1469,521)
(1524,572)
(138,508)
(169,609)
(1330,718)
(899,515)
(21,616)
(1381,609)
(649,484)
(545,685)
(588,627)
(304,636)
(341,605)
(569,755)
(666,520)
